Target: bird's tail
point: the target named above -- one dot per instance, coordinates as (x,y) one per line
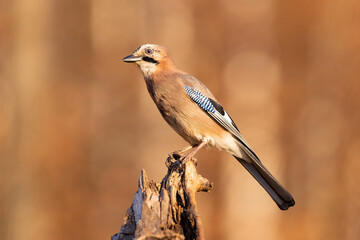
(277,192)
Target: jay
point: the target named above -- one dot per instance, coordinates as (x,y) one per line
(189,107)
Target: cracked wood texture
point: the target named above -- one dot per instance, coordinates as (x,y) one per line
(166,210)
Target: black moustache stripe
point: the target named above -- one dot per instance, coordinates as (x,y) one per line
(148,59)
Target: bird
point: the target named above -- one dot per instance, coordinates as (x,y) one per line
(190,108)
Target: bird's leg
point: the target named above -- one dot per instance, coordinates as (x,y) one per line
(179,152)
(192,153)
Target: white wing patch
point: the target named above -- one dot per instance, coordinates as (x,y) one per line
(227,117)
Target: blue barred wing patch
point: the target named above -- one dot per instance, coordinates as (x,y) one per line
(200,99)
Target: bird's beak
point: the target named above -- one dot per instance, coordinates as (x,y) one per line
(131,59)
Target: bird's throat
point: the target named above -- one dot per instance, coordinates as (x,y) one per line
(148,69)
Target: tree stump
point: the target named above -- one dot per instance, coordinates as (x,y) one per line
(166,210)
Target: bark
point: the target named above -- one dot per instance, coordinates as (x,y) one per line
(166,210)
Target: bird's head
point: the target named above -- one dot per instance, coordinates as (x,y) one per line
(150,58)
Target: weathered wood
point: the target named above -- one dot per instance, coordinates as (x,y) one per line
(166,210)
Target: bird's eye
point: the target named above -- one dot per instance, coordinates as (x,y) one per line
(148,51)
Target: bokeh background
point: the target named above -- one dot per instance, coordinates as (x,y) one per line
(77,124)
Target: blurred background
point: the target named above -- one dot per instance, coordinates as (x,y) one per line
(77,125)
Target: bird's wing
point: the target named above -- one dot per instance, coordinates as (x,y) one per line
(279,194)
(220,116)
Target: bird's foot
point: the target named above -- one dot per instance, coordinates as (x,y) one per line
(178,154)
(178,157)
(174,160)
(188,158)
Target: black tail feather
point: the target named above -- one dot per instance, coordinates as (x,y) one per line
(277,192)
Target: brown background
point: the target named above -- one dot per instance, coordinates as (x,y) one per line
(77,124)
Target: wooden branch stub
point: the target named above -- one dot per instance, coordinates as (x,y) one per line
(166,210)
